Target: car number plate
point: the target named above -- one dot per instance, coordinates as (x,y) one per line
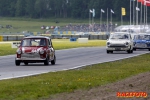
(30,55)
(117,49)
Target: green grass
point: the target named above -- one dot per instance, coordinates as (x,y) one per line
(47,85)
(5,49)
(65,44)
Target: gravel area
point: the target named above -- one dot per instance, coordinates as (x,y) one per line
(135,84)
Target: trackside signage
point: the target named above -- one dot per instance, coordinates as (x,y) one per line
(15,44)
(82,40)
(1,38)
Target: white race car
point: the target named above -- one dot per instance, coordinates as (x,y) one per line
(119,41)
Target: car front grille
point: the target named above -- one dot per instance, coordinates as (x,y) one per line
(117,45)
(140,45)
(30,55)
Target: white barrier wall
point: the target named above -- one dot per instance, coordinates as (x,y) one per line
(82,40)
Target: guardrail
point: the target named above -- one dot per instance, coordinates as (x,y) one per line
(56,35)
(90,37)
(12,38)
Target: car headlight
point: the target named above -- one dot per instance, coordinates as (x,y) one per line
(147,42)
(108,43)
(41,51)
(18,51)
(126,43)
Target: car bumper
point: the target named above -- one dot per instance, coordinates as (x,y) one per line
(118,48)
(33,59)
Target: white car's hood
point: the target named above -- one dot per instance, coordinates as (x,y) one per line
(118,41)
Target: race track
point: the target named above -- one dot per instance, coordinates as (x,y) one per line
(66,59)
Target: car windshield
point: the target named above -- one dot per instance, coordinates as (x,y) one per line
(119,36)
(142,37)
(33,42)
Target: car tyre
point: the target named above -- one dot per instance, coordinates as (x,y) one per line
(107,51)
(130,51)
(17,62)
(54,60)
(46,62)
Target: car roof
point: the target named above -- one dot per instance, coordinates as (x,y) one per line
(36,37)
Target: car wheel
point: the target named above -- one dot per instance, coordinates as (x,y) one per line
(54,60)
(134,49)
(17,62)
(46,62)
(128,51)
(107,51)
(131,51)
(111,51)
(26,63)
(149,49)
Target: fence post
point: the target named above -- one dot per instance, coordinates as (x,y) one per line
(89,37)
(7,38)
(17,38)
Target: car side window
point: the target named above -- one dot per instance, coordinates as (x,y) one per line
(125,36)
(42,42)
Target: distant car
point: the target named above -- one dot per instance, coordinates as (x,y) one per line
(119,41)
(141,41)
(34,49)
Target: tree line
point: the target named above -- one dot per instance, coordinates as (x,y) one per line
(65,8)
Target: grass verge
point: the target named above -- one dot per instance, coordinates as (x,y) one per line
(46,85)
(5,49)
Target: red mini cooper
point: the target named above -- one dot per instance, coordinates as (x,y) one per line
(34,49)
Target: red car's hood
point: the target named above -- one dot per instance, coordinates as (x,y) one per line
(31,49)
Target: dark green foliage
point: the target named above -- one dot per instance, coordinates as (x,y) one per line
(64,8)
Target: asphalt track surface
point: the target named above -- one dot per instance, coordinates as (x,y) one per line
(65,60)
